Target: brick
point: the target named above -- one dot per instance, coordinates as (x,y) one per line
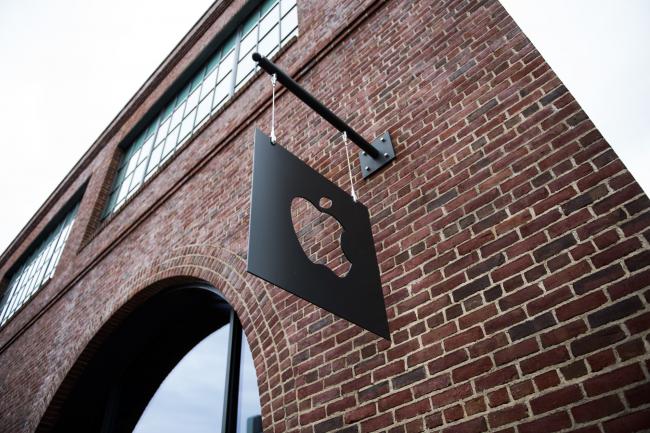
(612,380)
(638,261)
(639,323)
(520,297)
(551,423)
(597,340)
(545,359)
(616,311)
(504,320)
(511,268)
(601,360)
(597,409)
(496,378)
(567,275)
(581,305)
(514,351)
(555,399)
(584,199)
(451,395)
(498,397)
(598,279)
(639,395)
(409,378)
(619,250)
(554,248)
(376,423)
(629,422)
(508,415)
(471,288)
(374,391)
(563,333)
(532,326)
(329,425)
(574,370)
(629,285)
(431,385)
(464,338)
(486,265)
(413,409)
(630,349)
(477,425)
(472,369)
(447,361)
(548,301)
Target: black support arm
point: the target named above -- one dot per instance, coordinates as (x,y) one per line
(315,104)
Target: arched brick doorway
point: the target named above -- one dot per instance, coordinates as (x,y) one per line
(120,370)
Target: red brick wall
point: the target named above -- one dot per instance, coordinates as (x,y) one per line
(513,243)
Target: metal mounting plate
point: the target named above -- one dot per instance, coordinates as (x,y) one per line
(370,165)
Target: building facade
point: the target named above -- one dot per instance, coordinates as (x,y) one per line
(512,242)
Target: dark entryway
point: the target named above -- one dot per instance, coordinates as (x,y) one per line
(124,366)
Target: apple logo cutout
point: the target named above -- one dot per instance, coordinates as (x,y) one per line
(277,254)
(319,234)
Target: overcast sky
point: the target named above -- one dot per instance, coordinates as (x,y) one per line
(69,66)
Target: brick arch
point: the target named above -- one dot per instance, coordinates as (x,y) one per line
(249,297)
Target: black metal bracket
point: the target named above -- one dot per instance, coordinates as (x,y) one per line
(373,156)
(370,165)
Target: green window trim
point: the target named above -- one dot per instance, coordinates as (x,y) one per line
(36,269)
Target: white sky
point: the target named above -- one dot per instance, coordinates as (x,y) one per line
(69,66)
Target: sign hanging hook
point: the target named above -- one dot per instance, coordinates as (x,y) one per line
(273,80)
(347,155)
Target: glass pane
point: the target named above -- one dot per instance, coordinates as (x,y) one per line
(209,83)
(162,131)
(289,23)
(190,399)
(133,161)
(124,188)
(183,95)
(245,67)
(286,5)
(204,108)
(138,175)
(146,149)
(230,43)
(270,41)
(155,158)
(192,101)
(250,22)
(172,140)
(198,78)
(249,396)
(269,20)
(177,117)
(214,61)
(226,65)
(222,92)
(247,44)
(187,125)
(266,5)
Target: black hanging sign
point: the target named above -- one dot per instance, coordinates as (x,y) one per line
(275,253)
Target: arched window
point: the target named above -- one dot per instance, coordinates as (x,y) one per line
(176,362)
(193,397)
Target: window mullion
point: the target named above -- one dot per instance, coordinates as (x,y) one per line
(233,80)
(231,400)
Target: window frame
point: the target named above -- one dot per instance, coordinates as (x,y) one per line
(38,264)
(190,82)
